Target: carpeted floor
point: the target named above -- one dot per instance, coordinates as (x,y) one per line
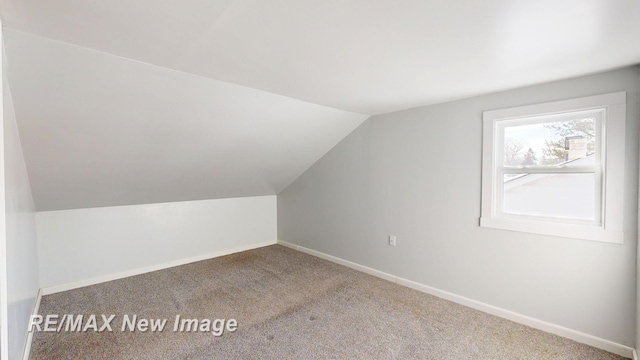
(288,305)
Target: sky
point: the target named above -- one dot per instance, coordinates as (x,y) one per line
(532,136)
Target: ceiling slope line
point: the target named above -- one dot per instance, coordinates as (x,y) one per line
(176,70)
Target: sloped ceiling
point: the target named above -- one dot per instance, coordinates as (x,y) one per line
(101,130)
(123,102)
(364,56)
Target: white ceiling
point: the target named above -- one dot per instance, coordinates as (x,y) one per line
(365,56)
(101,130)
(178,100)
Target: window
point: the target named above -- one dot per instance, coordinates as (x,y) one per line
(556,168)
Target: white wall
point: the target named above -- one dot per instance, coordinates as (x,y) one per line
(20,231)
(84,244)
(417,174)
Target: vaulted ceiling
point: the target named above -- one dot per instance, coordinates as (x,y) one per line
(124,102)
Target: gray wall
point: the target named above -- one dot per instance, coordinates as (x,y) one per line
(417,174)
(21,243)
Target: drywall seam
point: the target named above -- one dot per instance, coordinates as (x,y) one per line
(169,264)
(27,345)
(578,336)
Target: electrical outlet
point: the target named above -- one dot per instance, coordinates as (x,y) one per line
(392,240)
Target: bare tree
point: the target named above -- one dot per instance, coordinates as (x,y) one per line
(512,150)
(557,149)
(585,127)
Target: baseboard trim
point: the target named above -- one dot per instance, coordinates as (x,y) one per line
(578,336)
(340,261)
(27,345)
(635,354)
(169,264)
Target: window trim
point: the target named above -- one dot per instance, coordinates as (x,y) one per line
(610,227)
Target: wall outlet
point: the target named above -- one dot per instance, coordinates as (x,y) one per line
(392,240)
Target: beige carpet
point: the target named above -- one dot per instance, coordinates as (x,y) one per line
(289,305)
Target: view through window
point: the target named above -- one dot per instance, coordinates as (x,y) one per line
(551,166)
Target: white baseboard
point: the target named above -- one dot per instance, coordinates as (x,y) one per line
(578,336)
(27,345)
(340,261)
(635,354)
(100,279)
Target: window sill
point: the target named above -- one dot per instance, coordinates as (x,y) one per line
(573,231)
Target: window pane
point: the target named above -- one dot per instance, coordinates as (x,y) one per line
(569,141)
(550,195)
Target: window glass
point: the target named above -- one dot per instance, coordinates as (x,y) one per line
(564,195)
(550,143)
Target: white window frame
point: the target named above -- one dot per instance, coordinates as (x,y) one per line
(609,169)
